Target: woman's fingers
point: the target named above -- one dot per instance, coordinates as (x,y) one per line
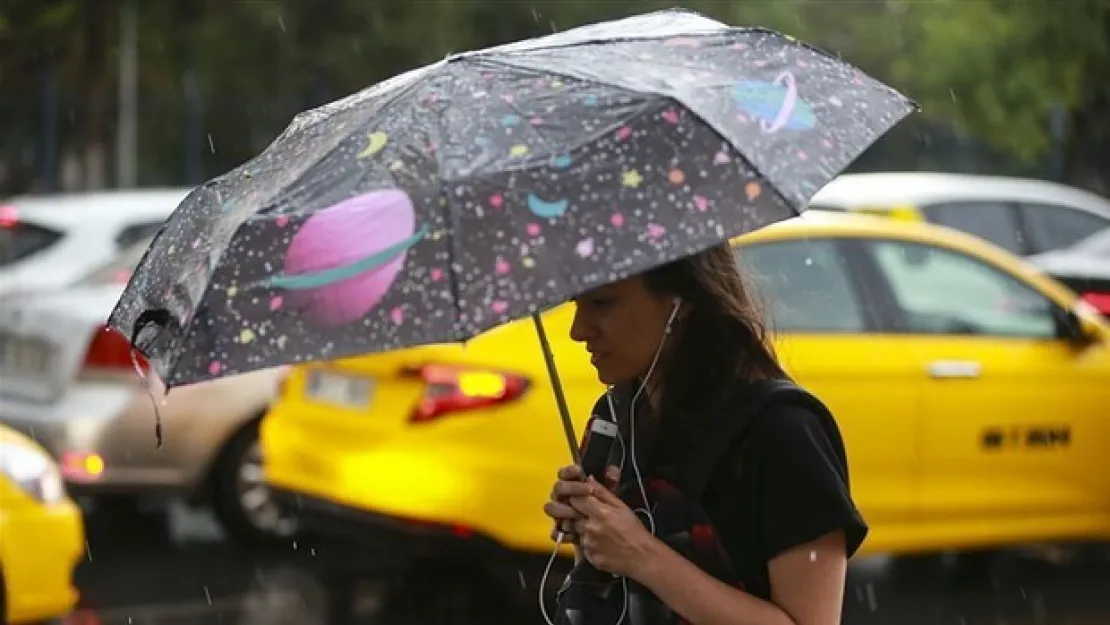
(591,506)
(565,518)
(571,472)
(602,494)
(565,489)
(560,511)
(573,495)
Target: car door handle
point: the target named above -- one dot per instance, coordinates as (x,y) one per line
(955,369)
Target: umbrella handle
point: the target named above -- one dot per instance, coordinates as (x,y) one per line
(557,387)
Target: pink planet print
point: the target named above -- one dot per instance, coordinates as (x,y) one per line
(343,260)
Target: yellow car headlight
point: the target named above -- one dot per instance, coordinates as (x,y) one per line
(32,471)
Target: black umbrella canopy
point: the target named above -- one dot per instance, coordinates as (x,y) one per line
(495,184)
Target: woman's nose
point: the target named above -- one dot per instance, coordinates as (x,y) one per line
(579,328)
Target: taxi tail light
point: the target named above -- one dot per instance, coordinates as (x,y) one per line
(457,389)
(108,349)
(1100,300)
(81,466)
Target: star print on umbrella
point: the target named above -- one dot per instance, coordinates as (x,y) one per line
(496,184)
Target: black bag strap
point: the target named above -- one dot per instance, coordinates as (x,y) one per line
(728,427)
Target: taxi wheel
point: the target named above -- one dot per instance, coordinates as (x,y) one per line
(241,500)
(3,601)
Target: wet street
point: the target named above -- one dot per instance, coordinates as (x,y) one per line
(191,576)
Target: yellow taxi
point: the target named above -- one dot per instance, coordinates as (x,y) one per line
(972,393)
(42,536)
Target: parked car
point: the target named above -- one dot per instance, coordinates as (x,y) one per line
(71,384)
(971,391)
(1022,216)
(42,537)
(51,240)
(1083,267)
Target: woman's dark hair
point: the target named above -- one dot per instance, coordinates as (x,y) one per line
(723,339)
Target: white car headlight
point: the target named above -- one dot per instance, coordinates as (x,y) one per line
(32,471)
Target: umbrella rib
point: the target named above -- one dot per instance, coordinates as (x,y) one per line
(451,222)
(452,254)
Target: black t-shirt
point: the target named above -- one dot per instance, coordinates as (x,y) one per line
(785,485)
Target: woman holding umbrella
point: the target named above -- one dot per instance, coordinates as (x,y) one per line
(779,504)
(540,171)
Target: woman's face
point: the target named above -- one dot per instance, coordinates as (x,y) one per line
(621,325)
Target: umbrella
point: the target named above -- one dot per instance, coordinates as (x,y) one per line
(493,185)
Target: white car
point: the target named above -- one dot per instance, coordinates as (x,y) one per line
(71,385)
(48,241)
(1083,267)
(1021,215)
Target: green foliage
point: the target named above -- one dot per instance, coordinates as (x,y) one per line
(999,68)
(994,68)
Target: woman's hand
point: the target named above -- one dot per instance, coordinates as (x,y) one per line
(571,483)
(612,537)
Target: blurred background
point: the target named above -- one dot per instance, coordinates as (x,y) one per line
(126,93)
(111,110)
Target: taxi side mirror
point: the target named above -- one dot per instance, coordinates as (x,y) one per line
(1079,327)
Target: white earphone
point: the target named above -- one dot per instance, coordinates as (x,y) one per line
(674,314)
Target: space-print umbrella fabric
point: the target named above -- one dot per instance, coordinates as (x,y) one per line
(492,185)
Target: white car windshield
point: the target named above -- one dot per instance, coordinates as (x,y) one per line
(1098,244)
(20,239)
(119,269)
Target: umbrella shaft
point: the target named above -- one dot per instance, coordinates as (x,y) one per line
(557,387)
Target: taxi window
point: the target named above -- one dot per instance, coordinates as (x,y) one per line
(805,285)
(941,291)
